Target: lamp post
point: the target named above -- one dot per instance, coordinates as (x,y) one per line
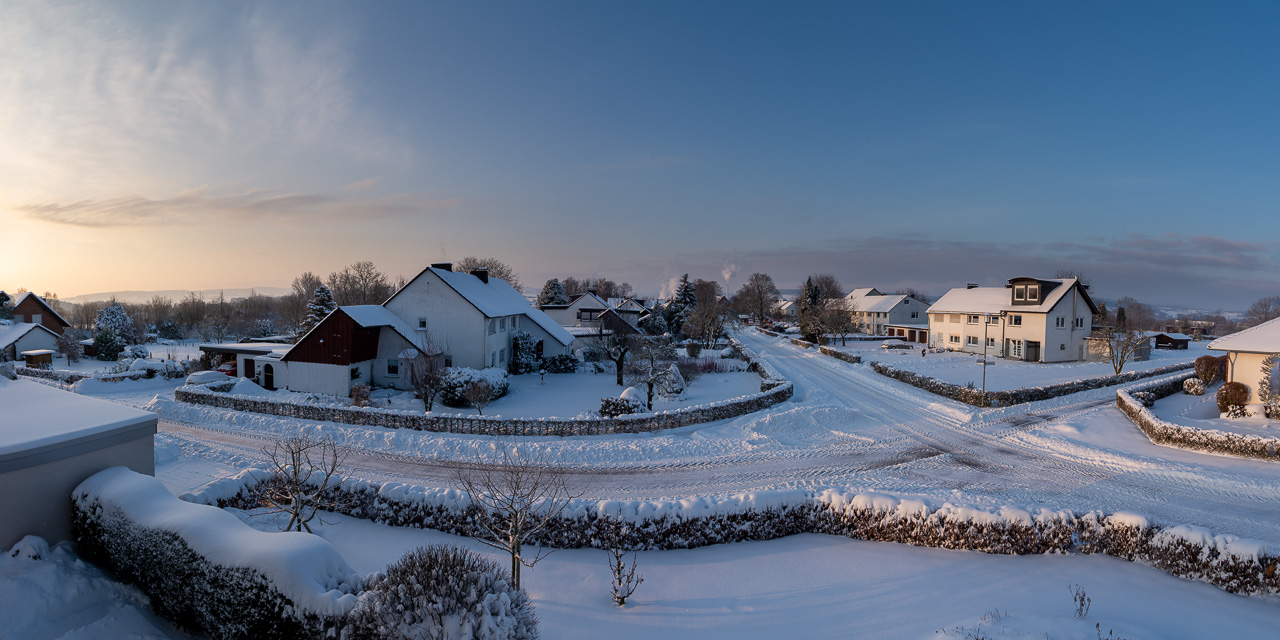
(986,325)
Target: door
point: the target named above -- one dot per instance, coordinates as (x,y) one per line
(268,377)
(1033,351)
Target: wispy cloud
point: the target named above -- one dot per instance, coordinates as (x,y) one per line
(648,162)
(198,205)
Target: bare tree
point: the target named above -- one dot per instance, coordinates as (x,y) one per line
(359,283)
(837,318)
(707,321)
(1138,315)
(497,269)
(625,579)
(425,374)
(617,347)
(1123,345)
(1085,281)
(514,500)
(307,468)
(757,296)
(829,285)
(478,393)
(912,292)
(1262,310)
(651,367)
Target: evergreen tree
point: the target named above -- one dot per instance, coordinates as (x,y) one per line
(1121,319)
(6,309)
(654,324)
(169,329)
(318,309)
(113,317)
(524,354)
(107,345)
(677,311)
(552,293)
(811,306)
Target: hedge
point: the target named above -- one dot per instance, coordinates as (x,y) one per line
(1237,565)
(70,377)
(773,390)
(1176,435)
(977,398)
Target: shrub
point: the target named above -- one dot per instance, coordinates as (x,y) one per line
(360,395)
(689,369)
(1193,387)
(439,592)
(693,349)
(107,345)
(1147,398)
(614,407)
(135,351)
(1232,397)
(458,380)
(563,363)
(524,357)
(1207,369)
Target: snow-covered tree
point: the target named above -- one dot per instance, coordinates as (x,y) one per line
(552,293)
(682,304)
(70,347)
(318,309)
(654,324)
(811,307)
(524,353)
(107,345)
(6,307)
(169,329)
(114,317)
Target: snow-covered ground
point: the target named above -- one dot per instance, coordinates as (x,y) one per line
(178,351)
(1201,412)
(551,396)
(816,586)
(1002,375)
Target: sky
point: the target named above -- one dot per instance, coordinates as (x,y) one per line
(192,145)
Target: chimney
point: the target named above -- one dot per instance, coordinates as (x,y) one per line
(483,274)
(971,285)
(592,290)
(443,266)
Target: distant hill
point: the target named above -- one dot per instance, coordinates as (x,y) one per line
(138,297)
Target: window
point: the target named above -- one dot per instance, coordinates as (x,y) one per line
(1015,321)
(1033,293)
(972,341)
(1079,323)
(1060,322)
(955,317)
(1062,347)
(1020,292)
(493,359)
(973,319)
(502,355)
(422,323)
(493,324)
(35,318)
(953,339)
(1015,348)
(502,324)
(991,343)
(915,314)
(993,319)
(393,367)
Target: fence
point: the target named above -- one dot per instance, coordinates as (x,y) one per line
(1181,436)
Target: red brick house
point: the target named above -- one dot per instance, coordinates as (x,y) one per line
(32,308)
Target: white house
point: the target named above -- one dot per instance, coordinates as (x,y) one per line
(16,337)
(786,309)
(360,344)
(583,310)
(1246,352)
(1029,319)
(875,311)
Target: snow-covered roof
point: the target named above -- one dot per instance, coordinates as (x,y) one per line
(587,331)
(993,300)
(1263,338)
(496,299)
(374,315)
(862,293)
(43,303)
(12,332)
(37,418)
(36,352)
(1175,336)
(244,347)
(879,304)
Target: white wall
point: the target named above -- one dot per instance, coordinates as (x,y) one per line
(35,339)
(390,345)
(453,324)
(311,377)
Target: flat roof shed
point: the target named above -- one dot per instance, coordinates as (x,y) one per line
(50,441)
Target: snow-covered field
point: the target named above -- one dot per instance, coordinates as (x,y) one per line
(1201,412)
(179,351)
(1002,375)
(846,427)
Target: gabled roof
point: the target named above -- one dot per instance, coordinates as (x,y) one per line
(993,300)
(1263,338)
(494,299)
(1168,334)
(42,303)
(372,315)
(12,332)
(863,292)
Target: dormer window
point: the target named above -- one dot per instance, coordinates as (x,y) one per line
(1020,292)
(1033,293)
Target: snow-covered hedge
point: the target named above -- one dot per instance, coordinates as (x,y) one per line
(560,363)
(204,569)
(71,377)
(1177,435)
(1235,564)
(456,380)
(840,355)
(977,398)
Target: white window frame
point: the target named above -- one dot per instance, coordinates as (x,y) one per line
(393,368)
(1033,293)
(422,324)
(1015,321)
(1060,322)
(973,318)
(971,341)
(991,343)
(1079,323)
(1020,292)
(953,339)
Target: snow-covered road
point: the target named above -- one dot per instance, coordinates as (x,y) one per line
(846,427)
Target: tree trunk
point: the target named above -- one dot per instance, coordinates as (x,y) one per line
(618,363)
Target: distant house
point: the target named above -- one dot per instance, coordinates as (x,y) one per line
(16,337)
(583,310)
(50,441)
(1171,340)
(875,312)
(1246,350)
(32,308)
(242,355)
(1029,319)
(786,309)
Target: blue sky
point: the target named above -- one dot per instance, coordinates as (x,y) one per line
(893,144)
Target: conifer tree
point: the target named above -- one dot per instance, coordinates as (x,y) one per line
(553,293)
(318,309)
(6,309)
(116,319)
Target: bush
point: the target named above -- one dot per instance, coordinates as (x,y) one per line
(1232,397)
(360,395)
(1207,369)
(457,380)
(563,363)
(135,351)
(524,357)
(693,349)
(1193,387)
(689,369)
(1147,398)
(440,592)
(621,406)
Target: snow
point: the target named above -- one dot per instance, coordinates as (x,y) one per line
(373,315)
(497,299)
(57,595)
(34,415)
(961,368)
(302,567)
(12,332)
(817,586)
(1263,338)
(205,377)
(993,300)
